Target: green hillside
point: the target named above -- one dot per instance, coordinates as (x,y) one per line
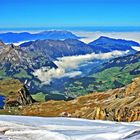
(114,74)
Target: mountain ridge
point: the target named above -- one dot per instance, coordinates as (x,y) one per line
(12,37)
(21,61)
(58,48)
(109,44)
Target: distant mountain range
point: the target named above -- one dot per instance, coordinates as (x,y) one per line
(102,44)
(58,48)
(110,80)
(11,37)
(69,47)
(106,44)
(20,62)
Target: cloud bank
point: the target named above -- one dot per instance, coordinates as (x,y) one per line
(67,66)
(136,48)
(90,36)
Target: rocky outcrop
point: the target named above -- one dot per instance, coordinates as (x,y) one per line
(21,98)
(16,94)
(13,56)
(121,104)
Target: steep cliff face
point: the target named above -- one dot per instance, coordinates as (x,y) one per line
(16,94)
(122,104)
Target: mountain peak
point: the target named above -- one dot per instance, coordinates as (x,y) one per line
(104,37)
(58,34)
(109,44)
(114,40)
(13,55)
(55,31)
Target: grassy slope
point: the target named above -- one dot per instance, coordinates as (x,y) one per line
(9,85)
(107,79)
(22,74)
(39,97)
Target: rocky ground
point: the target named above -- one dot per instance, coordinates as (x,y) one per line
(122,104)
(16,96)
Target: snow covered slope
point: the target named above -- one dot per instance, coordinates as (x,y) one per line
(37,128)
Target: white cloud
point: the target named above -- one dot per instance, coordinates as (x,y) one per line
(135,36)
(67,66)
(136,48)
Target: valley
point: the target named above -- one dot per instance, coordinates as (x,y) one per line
(69,70)
(69,73)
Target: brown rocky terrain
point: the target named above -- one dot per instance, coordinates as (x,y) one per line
(121,104)
(16,94)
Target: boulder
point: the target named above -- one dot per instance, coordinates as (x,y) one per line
(16,93)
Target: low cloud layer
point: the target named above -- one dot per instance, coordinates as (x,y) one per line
(90,36)
(67,66)
(136,48)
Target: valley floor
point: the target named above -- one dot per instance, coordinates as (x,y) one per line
(37,128)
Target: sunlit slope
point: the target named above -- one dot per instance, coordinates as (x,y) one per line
(116,73)
(121,104)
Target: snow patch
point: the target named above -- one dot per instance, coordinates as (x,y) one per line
(37,128)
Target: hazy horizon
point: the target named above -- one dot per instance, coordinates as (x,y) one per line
(74,28)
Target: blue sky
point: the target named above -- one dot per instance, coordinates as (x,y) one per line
(44,13)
